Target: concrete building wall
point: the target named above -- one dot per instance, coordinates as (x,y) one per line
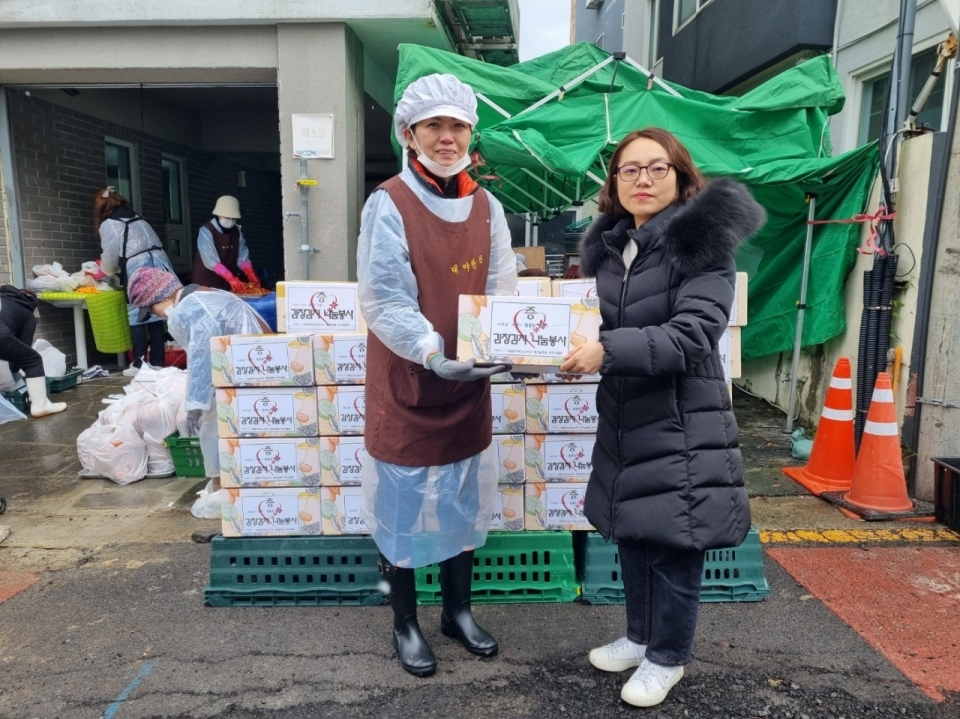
(769,376)
(606,20)
(866,38)
(940,426)
(320,71)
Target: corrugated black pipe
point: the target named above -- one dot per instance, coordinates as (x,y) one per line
(918,355)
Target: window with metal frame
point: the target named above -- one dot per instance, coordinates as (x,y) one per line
(653,37)
(684,10)
(872,110)
(121,171)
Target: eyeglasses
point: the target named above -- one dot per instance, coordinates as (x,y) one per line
(656,171)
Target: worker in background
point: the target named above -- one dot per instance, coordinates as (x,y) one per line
(221,252)
(194,314)
(128,243)
(18,322)
(427,236)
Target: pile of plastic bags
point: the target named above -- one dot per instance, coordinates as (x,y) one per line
(53,278)
(126,443)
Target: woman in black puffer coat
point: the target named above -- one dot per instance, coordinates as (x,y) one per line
(667,478)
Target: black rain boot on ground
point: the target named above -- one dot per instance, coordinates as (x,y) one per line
(456,620)
(414,653)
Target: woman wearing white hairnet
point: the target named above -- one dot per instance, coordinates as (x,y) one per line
(427,236)
(194,314)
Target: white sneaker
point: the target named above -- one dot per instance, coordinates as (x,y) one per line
(650,684)
(618,656)
(131,371)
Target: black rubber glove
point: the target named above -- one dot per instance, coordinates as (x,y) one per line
(462,371)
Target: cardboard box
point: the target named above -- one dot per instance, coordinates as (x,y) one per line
(278,512)
(575,288)
(281,462)
(738,313)
(535,257)
(311,307)
(508,401)
(533,287)
(558,457)
(555,506)
(267,412)
(341,460)
(340,510)
(340,359)
(557,408)
(341,409)
(509,449)
(534,333)
(729,347)
(261,361)
(509,516)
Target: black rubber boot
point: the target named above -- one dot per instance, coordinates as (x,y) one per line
(456,620)
(414,653)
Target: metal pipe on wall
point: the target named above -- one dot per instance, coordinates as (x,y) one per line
(801,308)
(304,222)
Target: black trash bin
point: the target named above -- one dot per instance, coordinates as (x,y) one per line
(946,486)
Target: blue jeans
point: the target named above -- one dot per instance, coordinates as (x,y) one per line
(662,587)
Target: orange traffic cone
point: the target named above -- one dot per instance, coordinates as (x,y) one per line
(878,482)
(833,457)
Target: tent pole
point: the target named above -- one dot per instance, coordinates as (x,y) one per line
(526,231)
(569,86)
(536,235)
(801,307)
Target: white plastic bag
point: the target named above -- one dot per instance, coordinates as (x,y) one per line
(207,505)
(159,459)
(157,416)
(54,361)
(9,413)
(7,382)
(117,453)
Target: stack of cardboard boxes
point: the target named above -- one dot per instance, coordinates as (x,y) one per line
(290,414)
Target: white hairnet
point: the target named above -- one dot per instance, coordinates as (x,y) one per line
(434,96)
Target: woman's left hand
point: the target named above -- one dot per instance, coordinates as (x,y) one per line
(585,359)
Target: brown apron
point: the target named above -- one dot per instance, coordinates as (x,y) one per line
(415,418)
(228,249)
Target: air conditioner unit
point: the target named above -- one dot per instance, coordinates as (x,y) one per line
(594,4)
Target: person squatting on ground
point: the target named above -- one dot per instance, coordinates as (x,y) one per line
(667,480)
(427,236)
(128,243)
(18,322)
(194,314)
(221,251)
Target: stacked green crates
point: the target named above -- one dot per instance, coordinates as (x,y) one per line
(733,574)
(514,568)
(293,571)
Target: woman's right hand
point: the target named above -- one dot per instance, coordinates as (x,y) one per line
(236,285)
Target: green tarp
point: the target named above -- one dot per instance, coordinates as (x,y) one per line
(549,126)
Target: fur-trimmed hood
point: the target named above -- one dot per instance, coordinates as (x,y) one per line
(699,234)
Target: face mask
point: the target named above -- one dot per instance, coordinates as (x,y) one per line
(442,170)
(226,223)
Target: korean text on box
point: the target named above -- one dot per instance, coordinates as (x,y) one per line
(508,515)
(507,401)
(258,512)
(555,506)
(311,307)
(530,333)
(341,409)
(261,361)
(278,462)
(342,460)
(340,509)
(267,412)
(340,359)
(558,457)
(557,408)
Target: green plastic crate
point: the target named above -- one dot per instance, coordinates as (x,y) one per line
(729,575)
(186,455)
(514,568)
(18,400)
(293,571)
(67,381)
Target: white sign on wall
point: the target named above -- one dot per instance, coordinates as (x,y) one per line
(313,136)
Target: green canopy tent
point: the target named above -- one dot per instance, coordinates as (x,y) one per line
(548,128)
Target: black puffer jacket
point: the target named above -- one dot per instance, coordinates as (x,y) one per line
(666,464)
